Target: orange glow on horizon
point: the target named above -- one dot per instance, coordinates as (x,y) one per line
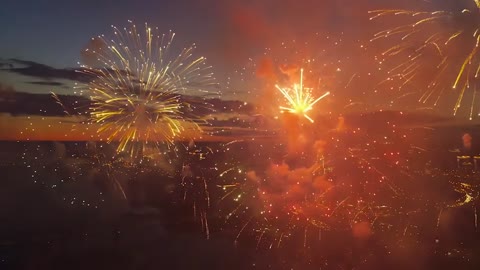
(71,128)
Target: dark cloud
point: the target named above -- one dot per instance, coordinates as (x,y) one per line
(49,74)
(243,121)
(28,104)
(19,103)
(37,70)
(5,65)
(202,105)
(6,89)
(46,83)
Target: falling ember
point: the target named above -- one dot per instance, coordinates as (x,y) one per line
(440,47)
(299,98)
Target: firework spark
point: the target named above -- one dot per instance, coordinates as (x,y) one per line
(86,179)
(138,85)
(440,47)
(304,198)
(299,98)
(194,185)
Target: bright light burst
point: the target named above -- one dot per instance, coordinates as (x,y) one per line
(138,88)
(299,98)
(439,47)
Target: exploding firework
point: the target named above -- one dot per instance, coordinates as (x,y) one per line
(299,98)
(139,88)
(436,53)
(272,78)
(195,171)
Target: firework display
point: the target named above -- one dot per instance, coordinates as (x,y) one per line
(137,87)
(292,157)
(434,52)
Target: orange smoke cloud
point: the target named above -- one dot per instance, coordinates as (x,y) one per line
(266,69)
(249,24)
(362,230)
(289,69)
(258,24)
(295,190)
(341,124)
(244,28)
(283,189)
(297,138)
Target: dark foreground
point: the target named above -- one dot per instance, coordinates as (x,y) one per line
(88,225)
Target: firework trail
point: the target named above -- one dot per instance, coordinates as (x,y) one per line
(196,169)
(81,179)
(435,51)
(299,98)
(138,88)
(59,102)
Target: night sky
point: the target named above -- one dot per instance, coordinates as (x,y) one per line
(55,32)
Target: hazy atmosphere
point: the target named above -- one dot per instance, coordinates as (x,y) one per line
(269,134)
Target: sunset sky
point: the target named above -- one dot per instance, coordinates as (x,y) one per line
(43,41)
